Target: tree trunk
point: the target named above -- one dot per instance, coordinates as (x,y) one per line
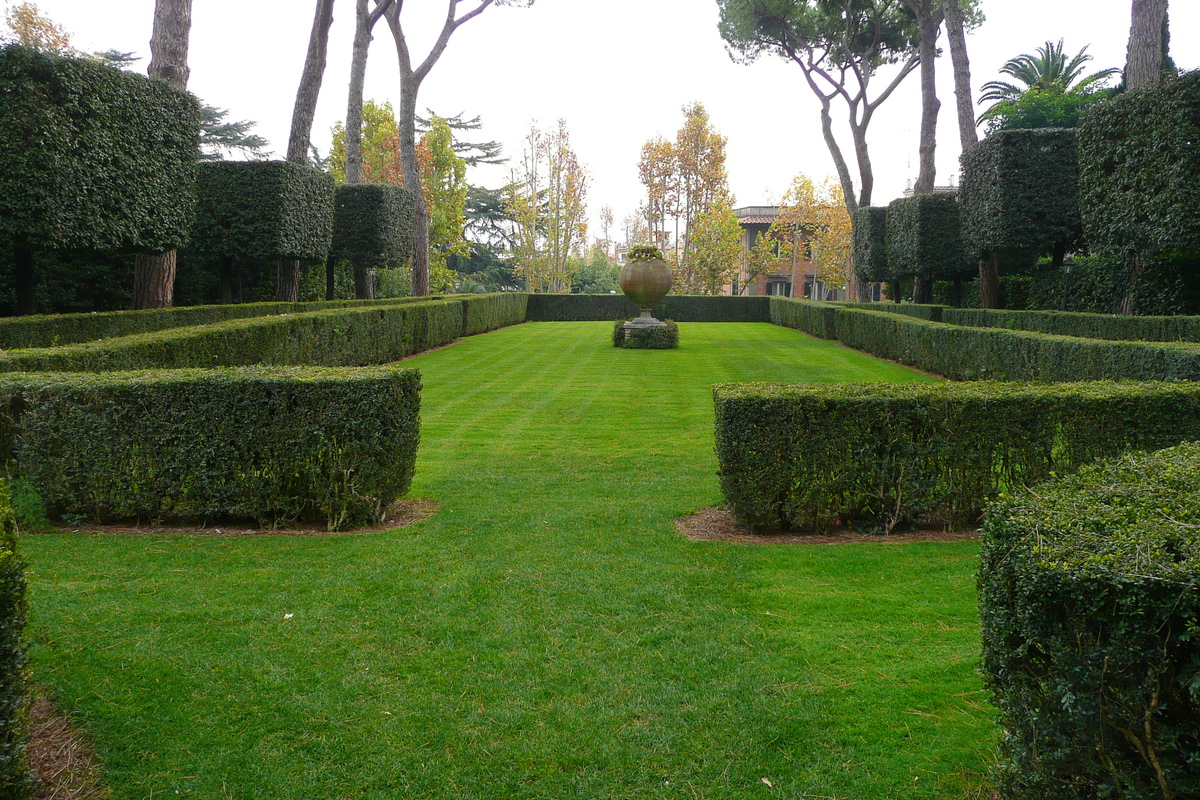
(364,23)
(989,282)
(310,84)
(922,290)
(226,280)
(929,24)
(956,34)
(364,282)
(412,182)
(287,280)
(896,290)
(154,274)
(154,280)
(23,280)
(1144,56)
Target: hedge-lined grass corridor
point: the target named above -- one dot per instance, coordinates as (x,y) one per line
(547,634)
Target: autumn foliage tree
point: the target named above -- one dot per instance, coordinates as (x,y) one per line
(814,223)
(716,241)
(380,146)
(444,184)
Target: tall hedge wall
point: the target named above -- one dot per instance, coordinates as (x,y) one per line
(373,224)
(924,237)
(680,308)
(272,445)
(1088,326)
(262,210)
(1139,168)
(15,782)
(94,158)
(962,353)
(1020,191)
(880,455)
(1089,597)
(870,244)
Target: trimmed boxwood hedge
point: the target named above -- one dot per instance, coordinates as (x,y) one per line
(961,353)
(681,308)
(15,781)
(662,338)
(262,210)
(1139,168)
(373,224)
(880,455)
(1088,326)
(1020,192)
(94,158)
(487,312)
(928,311)
(924,237)
(1089,597)
(268,444)
(870,244)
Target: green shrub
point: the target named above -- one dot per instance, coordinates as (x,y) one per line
(881,455)
(262,210)
(924,237)
(1138,170)
(15,781)
(1090,607)
(681,308)
(373,224)
(94,158)
(870,244)
(268,444)
(1088,326)
(931,312)
(659,338)
(487,312)
(357,335)
(1020,191)
(962,353)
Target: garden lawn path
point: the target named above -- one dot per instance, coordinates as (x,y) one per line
(547,634)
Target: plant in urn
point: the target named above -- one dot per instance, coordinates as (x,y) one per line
(645,279)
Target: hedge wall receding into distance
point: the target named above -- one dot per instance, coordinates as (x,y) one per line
(267,444)
(1089,326)
(880,455)
(681,308)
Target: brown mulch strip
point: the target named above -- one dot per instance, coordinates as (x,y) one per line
(60,757)
(719,525)
(400,514)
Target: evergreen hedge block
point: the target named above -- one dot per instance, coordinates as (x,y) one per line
(881,455)
(1020,192)
(681,308)
(870,243)
(487,312)
(15,781)
(1139,170)
(373,224)
(1089,597)
(262,210)
(924,237)
(94,158)
(927,311)
(268,444)
(1089,326)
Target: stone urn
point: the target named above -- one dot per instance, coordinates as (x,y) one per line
(645,279)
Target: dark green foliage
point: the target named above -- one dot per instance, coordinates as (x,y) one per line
(94,158)
(929,312)
(373,224)
(879,455)
(961,353)
(262,210)
(1090,606)
(1020,191)
(1088,326)
(681,308)
(354,336)
(1139,170)
(870,243)
(924,237)
(272,445)
(487,312)
(660,338)
(15,779)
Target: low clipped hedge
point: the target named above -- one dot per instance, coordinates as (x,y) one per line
(881,455)
(15,781)
(926,311)
(962,353)
(1089,596)
(487,312)
(665,337)
(268,444)
(870,243)
(1088,326)
(681,308)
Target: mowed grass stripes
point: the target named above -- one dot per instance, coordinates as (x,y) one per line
(547,634)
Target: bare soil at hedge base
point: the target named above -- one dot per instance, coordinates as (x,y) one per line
(60,757)
(400,514)
(720,525)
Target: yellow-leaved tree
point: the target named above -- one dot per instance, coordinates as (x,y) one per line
(814,222)
(715,239)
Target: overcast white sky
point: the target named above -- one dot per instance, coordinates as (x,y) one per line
(618,71)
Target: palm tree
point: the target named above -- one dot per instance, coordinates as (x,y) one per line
(1048,71)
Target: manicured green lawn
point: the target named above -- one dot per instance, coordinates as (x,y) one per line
(547,634)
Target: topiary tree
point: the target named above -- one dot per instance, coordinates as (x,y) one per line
(924,240)
(372,227)
(95,159)
(870,245)
(263,211)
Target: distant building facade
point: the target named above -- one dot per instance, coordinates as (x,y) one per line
(794,276)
